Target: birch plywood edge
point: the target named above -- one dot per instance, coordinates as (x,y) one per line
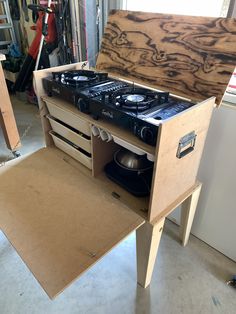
(189,56)
(59,221)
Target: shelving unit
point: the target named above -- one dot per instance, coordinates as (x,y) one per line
(102,152)
(164,154)
(58,203)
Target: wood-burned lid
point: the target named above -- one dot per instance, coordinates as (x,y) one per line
(189,56)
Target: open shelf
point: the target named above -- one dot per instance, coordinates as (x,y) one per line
(164,189)
(138,204)
(102,152)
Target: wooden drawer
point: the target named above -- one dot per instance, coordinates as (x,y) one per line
(69,118)
(72,151)
(73,136)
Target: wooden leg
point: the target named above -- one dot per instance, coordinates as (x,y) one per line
(187,214)
(7,119)
(147,242)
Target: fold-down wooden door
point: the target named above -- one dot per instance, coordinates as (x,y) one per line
(59,221)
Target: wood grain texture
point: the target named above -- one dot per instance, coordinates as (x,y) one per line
(189,56)
(57,218)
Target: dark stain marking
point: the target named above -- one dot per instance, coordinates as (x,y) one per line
(216,301)
(138,19)
(33,189)
(200,47)
(172,73)
(113,25)
(225,73)
(113,12)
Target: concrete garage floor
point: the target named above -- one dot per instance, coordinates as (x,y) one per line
(27,115)
(185,280)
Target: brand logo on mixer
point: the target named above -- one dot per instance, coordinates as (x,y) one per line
(56,90)
(108,114)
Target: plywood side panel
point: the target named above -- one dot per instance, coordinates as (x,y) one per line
(102,154)
(57,218)
(7,118)
(189,56)
(177,202)
(39,90)
(174,176)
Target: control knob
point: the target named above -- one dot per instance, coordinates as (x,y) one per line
(83,105)
(147,135)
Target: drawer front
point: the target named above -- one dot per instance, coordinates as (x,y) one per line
(69,118)
(70,135)
(73,152)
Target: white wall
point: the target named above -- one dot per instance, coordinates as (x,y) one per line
(187,7)
(215,220)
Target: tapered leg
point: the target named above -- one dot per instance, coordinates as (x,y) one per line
(147,242)
(187,214)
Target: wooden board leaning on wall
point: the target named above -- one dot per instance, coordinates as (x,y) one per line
(188,56)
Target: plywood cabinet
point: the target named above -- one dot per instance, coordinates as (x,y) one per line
(62,213)
(167,166)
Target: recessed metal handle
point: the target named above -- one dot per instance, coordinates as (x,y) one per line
(186,144)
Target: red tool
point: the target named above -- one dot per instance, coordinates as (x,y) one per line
(45,39)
